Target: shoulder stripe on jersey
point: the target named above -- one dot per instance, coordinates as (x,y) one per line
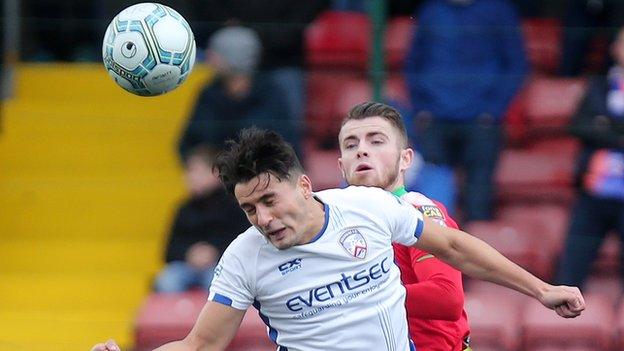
(419,228)
(412,346)
(224,300)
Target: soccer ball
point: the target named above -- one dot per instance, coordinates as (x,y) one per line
(148,49)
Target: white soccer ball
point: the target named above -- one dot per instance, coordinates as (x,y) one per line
(148,49)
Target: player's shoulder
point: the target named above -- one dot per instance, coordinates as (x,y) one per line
(417,199)
(356,194)
(247,243)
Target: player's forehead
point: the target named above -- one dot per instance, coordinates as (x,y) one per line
(369,126)
(259,187)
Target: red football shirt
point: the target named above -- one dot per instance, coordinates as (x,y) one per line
(435,296)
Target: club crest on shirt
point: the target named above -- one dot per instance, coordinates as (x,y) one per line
(354,243)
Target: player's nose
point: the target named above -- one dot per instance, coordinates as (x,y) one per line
(264,218)
(362,152)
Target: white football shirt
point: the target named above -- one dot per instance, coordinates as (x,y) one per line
(341,291)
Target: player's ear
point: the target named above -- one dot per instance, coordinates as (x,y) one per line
(305,185)
(341,166)
(407,157)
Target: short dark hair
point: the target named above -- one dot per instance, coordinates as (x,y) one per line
(377,109)
(256,151)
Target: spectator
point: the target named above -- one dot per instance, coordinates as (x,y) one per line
(280,24)
(238,97)
(464,66)
(582,22)
(204,226)
(599,124)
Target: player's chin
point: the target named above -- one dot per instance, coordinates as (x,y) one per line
(363,179)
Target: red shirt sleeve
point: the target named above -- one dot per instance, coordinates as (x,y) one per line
(438,292)
(434,289)
(447,218)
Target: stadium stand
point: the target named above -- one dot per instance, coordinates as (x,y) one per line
(552,218)
(543,43)
(338,40)
(398,30)
(168,317)
(592,330)
(493,319)
(88,183)
(550,102)
(534,175)
(518,241)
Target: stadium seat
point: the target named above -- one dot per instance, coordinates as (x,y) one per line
(534,174)
(493,320)
(517,240)
(542,37)
(564,348)
(324,87)
(338,39)
(619,324)
(168,317)
(399,33)
(396,90)
(608,286)
(593,329)
(550,102)
(322,167)
(552,217)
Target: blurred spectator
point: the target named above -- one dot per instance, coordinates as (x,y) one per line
(583,21)
(280,25)
(465,64)
(204,226)
(238,97)
(62,30)
(599,124)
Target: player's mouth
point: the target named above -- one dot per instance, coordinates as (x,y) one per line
(277,234)
(363,167)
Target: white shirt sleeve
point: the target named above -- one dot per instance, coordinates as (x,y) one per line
(232,284)
(406,222)
(403,221)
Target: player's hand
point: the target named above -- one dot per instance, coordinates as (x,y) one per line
(110,345)
(567,301)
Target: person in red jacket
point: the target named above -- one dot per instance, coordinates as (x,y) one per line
(375,152)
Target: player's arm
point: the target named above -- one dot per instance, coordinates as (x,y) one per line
(438,294)
(214,329)
(477,259)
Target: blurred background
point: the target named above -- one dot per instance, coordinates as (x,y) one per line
(94,180)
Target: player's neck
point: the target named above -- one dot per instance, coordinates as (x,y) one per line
(315,218)
(399,190)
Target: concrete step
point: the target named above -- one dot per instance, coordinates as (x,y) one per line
(59,292)
(32,330)
(81,257)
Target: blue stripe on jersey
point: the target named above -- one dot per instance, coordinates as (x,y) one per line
(412,346)
(419,228)
(224,300)
(265,319)
(320,233)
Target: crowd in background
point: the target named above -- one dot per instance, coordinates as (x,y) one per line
(465,64)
